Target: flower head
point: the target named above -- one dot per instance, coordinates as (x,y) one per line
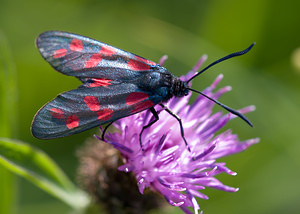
(164,163)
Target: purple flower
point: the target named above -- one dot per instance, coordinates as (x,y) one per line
(164,164)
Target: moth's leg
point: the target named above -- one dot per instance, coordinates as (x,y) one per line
(156,118)
(180,123)
(105,129)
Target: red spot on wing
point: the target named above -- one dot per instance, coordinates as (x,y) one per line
(105,114)
(97,82)
(57,113)
(59,53)
(76,45)
(108,51)
(137,65)
(92,103)
(142,106)
(93,61)
(145,60)
(96,58)
(72,121)
(136,97)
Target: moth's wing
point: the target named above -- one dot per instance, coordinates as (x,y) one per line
(83,57)
(84,108)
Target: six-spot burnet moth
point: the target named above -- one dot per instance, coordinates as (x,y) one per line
(116,84)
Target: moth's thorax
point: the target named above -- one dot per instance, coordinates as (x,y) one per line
(163,83)
(158,81)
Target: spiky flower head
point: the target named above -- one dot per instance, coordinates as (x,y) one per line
(164,164)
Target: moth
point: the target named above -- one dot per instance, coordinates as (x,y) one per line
(115,84)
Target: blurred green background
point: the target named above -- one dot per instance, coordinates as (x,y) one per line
(268,77)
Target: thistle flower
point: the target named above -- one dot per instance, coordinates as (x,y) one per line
(164,164)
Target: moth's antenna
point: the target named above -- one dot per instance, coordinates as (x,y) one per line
(239,53)
(240,115)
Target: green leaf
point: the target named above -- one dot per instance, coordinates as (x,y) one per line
(8,103)
(38,168)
